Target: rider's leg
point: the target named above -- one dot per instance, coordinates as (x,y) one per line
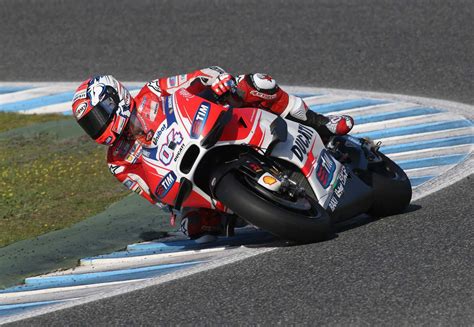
(198,222)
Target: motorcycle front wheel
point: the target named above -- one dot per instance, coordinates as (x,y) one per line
(302,221)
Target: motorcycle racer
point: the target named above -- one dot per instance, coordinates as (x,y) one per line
(108,113)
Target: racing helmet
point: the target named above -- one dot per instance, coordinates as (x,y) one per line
(102,106)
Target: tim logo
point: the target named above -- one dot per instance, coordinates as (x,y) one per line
(200,119)
(325,169)
(165,185)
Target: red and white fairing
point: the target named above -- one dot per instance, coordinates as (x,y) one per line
(189,118)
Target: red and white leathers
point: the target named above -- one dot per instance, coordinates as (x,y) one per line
(253,90)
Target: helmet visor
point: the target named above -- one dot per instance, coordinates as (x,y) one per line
(96,121)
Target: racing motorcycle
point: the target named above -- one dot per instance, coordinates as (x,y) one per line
(275,173)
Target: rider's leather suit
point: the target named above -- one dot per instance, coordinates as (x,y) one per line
(253,90)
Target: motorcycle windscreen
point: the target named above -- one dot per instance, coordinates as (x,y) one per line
(136,129)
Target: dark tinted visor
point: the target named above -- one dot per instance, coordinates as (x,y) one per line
(96,121)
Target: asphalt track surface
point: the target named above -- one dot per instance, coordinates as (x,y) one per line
(414,268)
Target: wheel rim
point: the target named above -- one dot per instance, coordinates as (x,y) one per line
(303,205)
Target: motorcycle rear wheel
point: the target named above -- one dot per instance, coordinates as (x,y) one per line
(392,188)
(304,221)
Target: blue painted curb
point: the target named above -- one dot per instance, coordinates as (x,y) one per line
(412,112)
(434,143)
(9,309)
(415,129)
(343,105)
(163,247)
(429,162)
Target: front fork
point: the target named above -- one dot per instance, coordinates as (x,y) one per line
(262,171)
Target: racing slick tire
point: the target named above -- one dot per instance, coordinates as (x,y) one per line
(392,188)
(312,224)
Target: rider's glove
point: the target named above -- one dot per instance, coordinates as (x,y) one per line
(223,83)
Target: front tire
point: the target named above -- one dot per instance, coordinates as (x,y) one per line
(286,221)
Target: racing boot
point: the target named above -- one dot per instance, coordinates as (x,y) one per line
(327,126)
(202,225)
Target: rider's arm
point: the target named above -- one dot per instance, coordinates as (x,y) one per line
(124,161)
(194,82)
(262,91)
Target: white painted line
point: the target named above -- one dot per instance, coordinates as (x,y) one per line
(151,257)
(109,264)
(244,253)
(431,152)
(327,99)
(14,297)
(51,109)
(34,93)
(428,171)
(375,109)
(427,136)
(401,122)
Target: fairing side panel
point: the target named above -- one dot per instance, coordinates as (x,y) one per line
(305,149)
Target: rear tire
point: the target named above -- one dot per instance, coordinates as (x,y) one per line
(287,222)
(392,189)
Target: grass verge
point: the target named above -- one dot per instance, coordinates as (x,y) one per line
(49,181)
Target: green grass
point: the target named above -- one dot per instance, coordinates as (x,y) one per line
(49,183)
(11,120)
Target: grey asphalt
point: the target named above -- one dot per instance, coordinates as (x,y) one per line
(411,269)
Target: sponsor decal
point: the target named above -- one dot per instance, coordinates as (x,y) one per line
(169,111)
(341,182)
(178,154)
(167,150)
(263,95)
(165,185)
(185,93)
(108,140)
(133,186)
(154,106)
(134,153)
(129,183)
(116,169)
(333,203)
(269,180)
(155,87)
(79,95)
(200,119)
(80,110)
(182,78)
(142,104)
(325,168)
(302,142)
(158,134)
(172,81)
